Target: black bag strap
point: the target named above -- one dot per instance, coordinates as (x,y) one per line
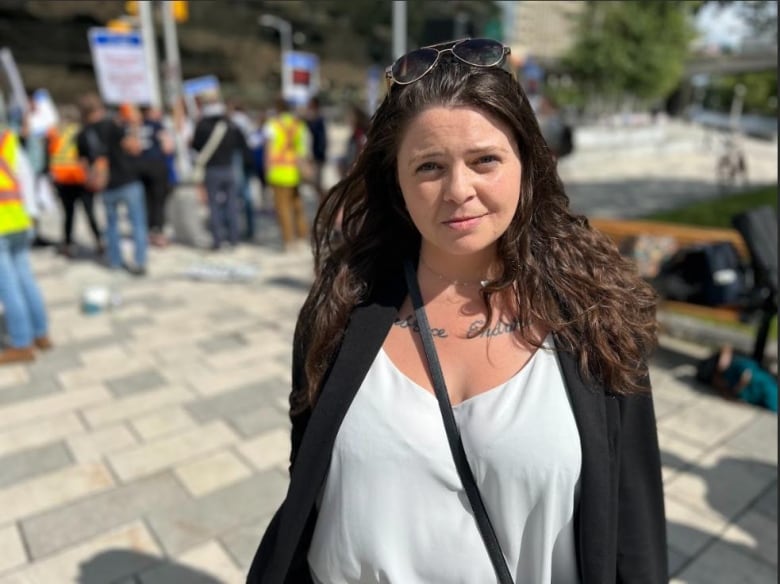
(453,434)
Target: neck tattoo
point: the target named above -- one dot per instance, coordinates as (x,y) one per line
(480,283)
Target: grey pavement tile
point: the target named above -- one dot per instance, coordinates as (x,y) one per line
(169,572)
(65,526)
(730,482)
(767,503)
(127,325)
(154,302)
(228,314)
(115,566)
(117,337)
(758,439)
(184,526)
(33,389)
(676,560)
(241,542)
(231,403)
(723,563)
(32,462)
(222,342)
(141,381)
(50,363)
(259,420)
(757,533)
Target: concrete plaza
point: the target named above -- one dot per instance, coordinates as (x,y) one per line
(150,445)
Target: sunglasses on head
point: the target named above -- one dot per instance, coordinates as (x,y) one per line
(416,64)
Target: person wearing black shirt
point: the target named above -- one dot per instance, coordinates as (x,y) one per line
(103,143)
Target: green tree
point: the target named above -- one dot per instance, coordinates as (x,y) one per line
(630,51)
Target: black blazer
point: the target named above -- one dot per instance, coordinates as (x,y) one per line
(619,523)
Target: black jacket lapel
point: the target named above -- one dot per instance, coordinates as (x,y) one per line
(588,404)
(365,333)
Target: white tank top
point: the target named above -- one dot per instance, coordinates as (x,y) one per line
(393,509)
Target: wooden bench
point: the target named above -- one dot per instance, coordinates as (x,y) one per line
(686,235)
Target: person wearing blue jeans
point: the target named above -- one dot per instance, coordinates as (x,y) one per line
(223,205)
(131,195)
(25,312)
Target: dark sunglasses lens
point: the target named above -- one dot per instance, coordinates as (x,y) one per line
(480,52)
(413,65)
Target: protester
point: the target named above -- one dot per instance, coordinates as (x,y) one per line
(319,143)
(286,152)
(244,168)
(156,148)
(358,124)
(543,333)
(217,140)
(23,305)
(257,142)
(69,177)
(107,149)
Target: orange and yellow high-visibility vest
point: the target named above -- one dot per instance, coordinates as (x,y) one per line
(285,149)
(13,216)
(64,163)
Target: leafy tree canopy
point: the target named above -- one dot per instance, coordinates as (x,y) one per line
(631,48)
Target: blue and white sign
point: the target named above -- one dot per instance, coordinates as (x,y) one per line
(120,66)
(300,77)
(201,85)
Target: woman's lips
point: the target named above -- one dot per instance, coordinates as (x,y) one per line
(463,223)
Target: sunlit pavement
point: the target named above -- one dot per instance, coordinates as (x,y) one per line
(150,445)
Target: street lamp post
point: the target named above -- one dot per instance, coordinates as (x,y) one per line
(284,28)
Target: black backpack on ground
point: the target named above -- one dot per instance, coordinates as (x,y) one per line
(709,274)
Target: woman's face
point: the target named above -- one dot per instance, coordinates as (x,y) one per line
(459,171)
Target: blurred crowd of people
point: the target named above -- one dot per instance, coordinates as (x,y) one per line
(129,159)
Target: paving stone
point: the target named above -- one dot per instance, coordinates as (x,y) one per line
(260,420)
(46,492)
(32,462)
(756,534)
(197,521)
(222,343)
(93,446)
(204,564)
(13,375)
(267,450)
(759,439)
(156,455)
(242,541)
(722,481)
(39,432)
(28,391)
(12,552)
(133,406)
(209,382)
(767,503)
(725,563)
(107,558)
(676,560)
(135,383)
(708,421)
(229,403)
(46,406)
(689,529)
(166,421)
(212,472)
(54,530)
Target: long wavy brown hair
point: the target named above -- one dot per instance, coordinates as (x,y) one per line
(560,273)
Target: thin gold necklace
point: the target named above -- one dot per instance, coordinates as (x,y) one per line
(480,283)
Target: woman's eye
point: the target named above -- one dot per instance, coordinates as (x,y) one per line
(487,159)
(427,166)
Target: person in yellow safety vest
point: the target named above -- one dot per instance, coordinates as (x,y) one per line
(69,177)
(286,156)
(20,296)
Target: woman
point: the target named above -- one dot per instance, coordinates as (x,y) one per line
(542,331)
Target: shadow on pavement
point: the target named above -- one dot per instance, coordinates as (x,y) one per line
(115,565)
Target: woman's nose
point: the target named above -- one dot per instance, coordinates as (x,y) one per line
(461,185)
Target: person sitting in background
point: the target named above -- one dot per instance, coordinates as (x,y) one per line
(69,178)
(737,377)
(319,143)
(23,304)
